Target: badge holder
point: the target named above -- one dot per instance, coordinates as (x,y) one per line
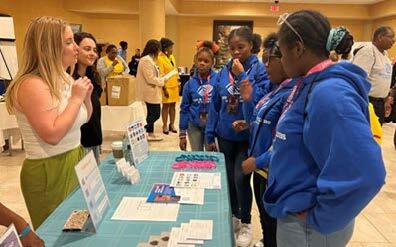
(233,103)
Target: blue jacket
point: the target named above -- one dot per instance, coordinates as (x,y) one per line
(263,120)
(219,120)
(192,100)
(325,159)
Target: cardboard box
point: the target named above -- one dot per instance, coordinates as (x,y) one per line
(121,90)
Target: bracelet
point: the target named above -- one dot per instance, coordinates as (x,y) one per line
(25,231)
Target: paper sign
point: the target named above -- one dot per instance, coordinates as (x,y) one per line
(136,208)
(138,141)
(10,238)
(93,188)
(115,92)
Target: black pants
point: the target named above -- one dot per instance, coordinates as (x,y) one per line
(238,183)
(268,224)
(153,114)
(379,108)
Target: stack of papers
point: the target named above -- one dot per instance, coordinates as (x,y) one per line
(192,233)
(164,193)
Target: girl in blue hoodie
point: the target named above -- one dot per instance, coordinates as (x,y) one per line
(325,166)
(262,119)
(197,94)
(225,108)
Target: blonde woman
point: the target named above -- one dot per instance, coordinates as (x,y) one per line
(50,107)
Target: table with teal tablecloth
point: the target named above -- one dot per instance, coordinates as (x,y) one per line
(156,169)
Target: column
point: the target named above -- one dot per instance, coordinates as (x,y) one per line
(151,20)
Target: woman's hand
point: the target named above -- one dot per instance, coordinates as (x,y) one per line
(239,125)
(237,67)
(249,165)
(183,143)
(32,240)
(211,147)
(246,90)
(80,89)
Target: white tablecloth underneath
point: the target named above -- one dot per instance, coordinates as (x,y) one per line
(117,118)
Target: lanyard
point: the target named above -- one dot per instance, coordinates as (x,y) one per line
(269,95)
(232,80)
(317,68)
(205,88)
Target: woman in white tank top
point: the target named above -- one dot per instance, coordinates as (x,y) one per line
(50,107)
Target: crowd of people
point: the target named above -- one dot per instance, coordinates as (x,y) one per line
(293,119)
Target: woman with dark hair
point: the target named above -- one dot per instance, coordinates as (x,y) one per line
(91,132)
(325,165)
(170,95)
(226,108)
(149,85)
(111,64)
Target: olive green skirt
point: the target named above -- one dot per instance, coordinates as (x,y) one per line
(47,182)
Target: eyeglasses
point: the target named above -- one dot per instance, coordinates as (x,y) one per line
(267,59)
(283,19)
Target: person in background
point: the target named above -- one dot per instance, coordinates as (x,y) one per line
(258,40)
(27,236)
(133,64)
(91,132)
(170,95)
(111,64)
(50,126)
(373,58)
(149,86)
(122,51)
(317,184)
(194,108)
(262,119)
(226,108)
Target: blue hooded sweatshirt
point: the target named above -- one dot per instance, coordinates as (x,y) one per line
(219,119)
(325,159)
(193,100)
(263,118)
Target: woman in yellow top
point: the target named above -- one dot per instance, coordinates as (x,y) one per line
(111,64)
(170,93)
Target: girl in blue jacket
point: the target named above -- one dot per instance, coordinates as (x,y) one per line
(197,94)
(325,166)
(262,119)
(225,108)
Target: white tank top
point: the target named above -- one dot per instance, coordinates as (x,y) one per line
(35,147)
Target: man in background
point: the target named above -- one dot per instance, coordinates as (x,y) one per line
(373,58)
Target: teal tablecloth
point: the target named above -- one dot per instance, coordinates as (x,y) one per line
(156,169)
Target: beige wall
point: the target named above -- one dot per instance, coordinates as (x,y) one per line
(107,27)
(112,21)
(192,29)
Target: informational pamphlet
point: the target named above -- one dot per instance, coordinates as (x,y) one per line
(163,193)
(138,141)
(93,188)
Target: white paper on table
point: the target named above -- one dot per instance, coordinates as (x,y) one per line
(170,74)
(196,180)
(184,232)
(190,195)
(136,208)
(200,229)
(174,238)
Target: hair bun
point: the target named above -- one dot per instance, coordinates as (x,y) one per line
(208,44)
(335,37)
